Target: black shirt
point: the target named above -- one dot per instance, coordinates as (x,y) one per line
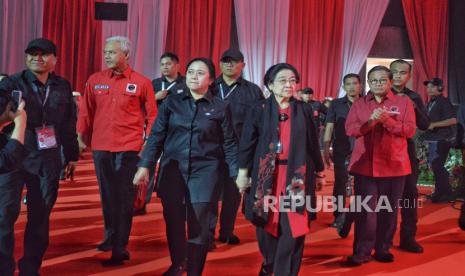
(319,112)
(440,109)
(175,87)
(241,96)
(12,154)
(421,117)
(196,138)
(337,114)
(58,110)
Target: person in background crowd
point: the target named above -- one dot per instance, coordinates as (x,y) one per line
(194,136)
(278,146)
(401,71)
(241,95)
(461,144)
(381,123)
(51,124)
(12,154)
(171,82)
(118,102)
(2,76)
(342,145)
(319,110)
(440,136)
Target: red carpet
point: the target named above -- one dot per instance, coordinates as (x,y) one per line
(77,227)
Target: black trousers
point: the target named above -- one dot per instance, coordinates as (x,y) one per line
(441,175)
(229,207)
(151,186)
(42,192)
(341,177)
(409,210)
(115,172)
(177,210)
(282,254)
(375,230)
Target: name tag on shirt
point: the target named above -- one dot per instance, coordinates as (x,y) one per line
(131,88)
(180,91)
(46,138)
(101,86)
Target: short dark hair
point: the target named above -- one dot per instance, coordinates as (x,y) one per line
(206,61)
(271,73)
(351,75)
(171,56)
(380,68)
(307,90)
(401,61)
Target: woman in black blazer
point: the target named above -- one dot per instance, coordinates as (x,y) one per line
(278,149)
(194,136)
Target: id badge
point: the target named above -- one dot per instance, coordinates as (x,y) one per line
(46,138)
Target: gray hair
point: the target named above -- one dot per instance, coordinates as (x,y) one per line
(124,42)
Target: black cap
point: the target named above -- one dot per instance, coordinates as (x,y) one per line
(434,81)
(45,45)
(307,91)
(233,54)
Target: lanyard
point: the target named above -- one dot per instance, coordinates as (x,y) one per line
(229,93)
(47,93)
(431,106)
(43,102)
(168,88)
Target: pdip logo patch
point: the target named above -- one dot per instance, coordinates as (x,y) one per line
(131,88)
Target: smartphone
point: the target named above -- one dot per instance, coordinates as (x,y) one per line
(17,95)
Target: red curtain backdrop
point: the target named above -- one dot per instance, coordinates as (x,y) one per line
(78,36)
(314,44)
(199,28)
(427,26)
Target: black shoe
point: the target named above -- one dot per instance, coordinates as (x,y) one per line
(211,246)
(462,218)
(266,270)
(125,254)
(411,246)
(442,198)
(338,221)
(231,239)
(174,270)
(385,257)
(344,229)
(105,246)
(140,212)
(112,262)
(357,260)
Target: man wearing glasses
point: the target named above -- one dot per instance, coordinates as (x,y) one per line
(381,123)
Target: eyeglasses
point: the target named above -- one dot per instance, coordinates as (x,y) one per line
(283,82)
(375,81)
(283,117)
